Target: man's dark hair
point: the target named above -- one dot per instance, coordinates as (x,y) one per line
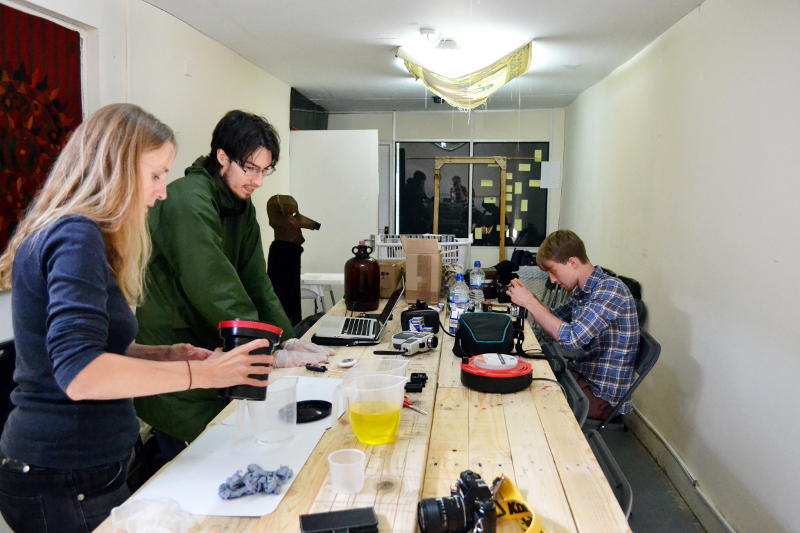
(240,134)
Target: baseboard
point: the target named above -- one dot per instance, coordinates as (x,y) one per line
(677,471)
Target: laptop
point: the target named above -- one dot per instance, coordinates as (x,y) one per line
(345,330)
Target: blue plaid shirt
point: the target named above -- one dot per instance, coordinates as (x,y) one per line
(601,320)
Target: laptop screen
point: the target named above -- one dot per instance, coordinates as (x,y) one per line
(390,303)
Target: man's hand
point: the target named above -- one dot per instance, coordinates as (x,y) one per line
(186,352)
(521,296)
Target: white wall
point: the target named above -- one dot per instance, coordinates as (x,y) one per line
(681,171)
(530,125)
(140,54)
(335,182)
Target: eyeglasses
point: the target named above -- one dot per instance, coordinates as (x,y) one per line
(252,170)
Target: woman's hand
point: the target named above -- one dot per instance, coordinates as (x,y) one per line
(225,369)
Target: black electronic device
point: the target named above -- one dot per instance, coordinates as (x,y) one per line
(470,507)
(361,520)
(420,317)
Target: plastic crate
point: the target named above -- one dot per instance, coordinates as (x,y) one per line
(454,249)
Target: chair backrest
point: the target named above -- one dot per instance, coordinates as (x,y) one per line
(646,357)
(576,399)
(616,478)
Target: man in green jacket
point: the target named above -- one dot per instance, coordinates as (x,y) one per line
(208,265)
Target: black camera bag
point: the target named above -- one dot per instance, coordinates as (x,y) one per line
(479,333)
(420,309)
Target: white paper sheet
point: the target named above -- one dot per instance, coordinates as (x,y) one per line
(193,478)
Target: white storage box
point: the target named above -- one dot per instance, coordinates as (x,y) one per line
(454,249)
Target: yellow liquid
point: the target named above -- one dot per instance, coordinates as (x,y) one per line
(375,422)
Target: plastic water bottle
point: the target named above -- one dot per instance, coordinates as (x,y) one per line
(476,281)
(458,300)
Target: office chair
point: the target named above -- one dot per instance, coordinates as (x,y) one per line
(616,478)
(646,358)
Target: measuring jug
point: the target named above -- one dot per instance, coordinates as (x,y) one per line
(374,405)
(396,367)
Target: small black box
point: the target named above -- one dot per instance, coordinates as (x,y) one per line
(361,520)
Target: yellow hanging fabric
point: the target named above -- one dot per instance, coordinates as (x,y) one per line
(510,505)
(471,90)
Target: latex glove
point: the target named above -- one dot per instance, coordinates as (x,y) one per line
(287,358)
(296,345)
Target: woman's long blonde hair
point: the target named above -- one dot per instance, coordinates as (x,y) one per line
(97,176)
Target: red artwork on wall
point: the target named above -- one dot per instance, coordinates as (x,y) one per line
(40,104)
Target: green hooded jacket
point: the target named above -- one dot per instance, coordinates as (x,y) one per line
(207,266)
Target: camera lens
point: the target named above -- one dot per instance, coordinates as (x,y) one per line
(435,515)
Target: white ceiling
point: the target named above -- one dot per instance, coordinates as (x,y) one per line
(340,53)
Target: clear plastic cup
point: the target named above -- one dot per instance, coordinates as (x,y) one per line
(275,419)
(347,470)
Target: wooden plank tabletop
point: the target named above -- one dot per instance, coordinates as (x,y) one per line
(530,436)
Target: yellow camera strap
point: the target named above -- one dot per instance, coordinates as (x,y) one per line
(510,505)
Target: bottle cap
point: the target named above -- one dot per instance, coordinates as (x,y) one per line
(477,264)
(459,277)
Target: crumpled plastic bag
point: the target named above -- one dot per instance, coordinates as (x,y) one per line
(152,516)
(253,481)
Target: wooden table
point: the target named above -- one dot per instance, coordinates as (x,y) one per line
(530,436)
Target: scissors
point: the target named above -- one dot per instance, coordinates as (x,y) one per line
(407,403)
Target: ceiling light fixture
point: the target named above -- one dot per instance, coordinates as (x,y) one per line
(462,75)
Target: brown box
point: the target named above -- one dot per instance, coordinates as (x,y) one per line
(423,270)
(391,272)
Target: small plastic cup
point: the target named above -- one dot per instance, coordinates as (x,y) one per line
(347,470)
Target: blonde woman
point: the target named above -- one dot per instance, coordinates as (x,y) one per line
(75,267)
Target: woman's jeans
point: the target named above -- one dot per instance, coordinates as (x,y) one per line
(35,499)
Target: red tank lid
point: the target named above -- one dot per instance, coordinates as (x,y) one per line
(263,326)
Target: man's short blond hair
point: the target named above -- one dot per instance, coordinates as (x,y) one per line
(559,246)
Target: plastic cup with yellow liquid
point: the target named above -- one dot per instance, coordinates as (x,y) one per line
(375,402)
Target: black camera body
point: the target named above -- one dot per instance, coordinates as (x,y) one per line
(420,317)
(471,503)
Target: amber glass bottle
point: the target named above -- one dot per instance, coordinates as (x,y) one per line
(361,280)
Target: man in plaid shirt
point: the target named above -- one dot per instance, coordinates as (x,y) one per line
(599,319)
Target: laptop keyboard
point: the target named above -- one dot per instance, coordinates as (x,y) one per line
(358,326)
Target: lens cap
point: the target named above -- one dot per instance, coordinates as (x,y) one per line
(312,410)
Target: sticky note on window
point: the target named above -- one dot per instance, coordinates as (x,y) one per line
(490,200)
(534,183)
(509,176)
(524,167)
(518,224)
(486,183)
(523,205)
(478,233)
(537,156)
(509,208)
(518,187)
(509,196)
(509,187)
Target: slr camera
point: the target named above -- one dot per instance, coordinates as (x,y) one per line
(470,508)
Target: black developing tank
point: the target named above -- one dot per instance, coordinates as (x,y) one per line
(237,332)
